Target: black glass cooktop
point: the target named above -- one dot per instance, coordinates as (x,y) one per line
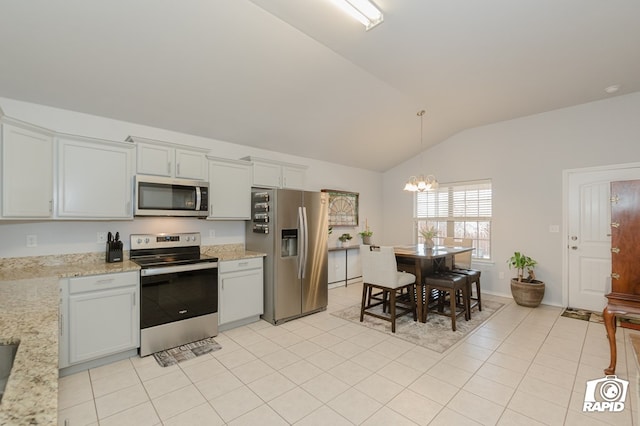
(148,260)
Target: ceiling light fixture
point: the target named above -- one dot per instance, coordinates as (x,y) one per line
(421,183)
(362,10)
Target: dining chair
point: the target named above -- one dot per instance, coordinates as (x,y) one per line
(380,272)
(462,266)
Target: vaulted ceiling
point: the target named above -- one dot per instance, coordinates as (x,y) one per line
(299,77)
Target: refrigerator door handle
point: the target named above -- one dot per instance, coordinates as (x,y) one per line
(300,243)
(305,242)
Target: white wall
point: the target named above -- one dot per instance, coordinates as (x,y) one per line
(524,158)
(57,237)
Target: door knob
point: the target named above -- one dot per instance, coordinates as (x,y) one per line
(574,247)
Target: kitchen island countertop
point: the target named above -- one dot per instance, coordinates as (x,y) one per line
(29,299)
(29,316)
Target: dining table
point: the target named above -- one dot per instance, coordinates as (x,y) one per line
(421,261)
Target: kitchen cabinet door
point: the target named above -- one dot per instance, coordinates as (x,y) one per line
(229,189)
(266,174)
(94,179)
(154,160)
(190,164)
(102,323)
(160,158)
(293,177)
(27,172)
(277,174)
(241,290)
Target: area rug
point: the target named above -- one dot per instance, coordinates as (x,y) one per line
(435,334)
(184,352)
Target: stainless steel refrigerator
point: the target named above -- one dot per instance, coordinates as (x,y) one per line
(291,227)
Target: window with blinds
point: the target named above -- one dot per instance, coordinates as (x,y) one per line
(459,210)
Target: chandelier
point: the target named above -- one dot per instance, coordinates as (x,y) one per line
(421,183)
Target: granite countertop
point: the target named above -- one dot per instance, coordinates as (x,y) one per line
(29,299)
(29,317)
(224,253)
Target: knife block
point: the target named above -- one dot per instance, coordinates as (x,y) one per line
(114,251)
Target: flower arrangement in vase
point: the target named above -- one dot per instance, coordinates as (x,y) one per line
(428,234)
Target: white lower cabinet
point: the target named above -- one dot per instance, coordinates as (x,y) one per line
(241,291)
(99,316)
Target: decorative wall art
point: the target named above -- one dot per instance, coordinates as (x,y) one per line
(343,208)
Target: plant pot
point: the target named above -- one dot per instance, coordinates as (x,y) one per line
(527,294)
(366,239)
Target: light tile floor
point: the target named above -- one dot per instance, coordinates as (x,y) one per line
(522,367)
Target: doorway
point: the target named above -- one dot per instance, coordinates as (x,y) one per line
(587,257)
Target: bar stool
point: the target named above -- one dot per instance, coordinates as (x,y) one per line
(452,284)
(462,266)
(380,272)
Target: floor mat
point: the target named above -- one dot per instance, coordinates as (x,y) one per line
(582,314)
(184,352)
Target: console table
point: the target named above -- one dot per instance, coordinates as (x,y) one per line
(346,262)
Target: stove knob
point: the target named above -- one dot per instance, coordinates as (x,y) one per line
(139,241)
(146,240)
(188,238)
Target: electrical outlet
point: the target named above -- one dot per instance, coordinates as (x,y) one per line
(102,237)
(32,241)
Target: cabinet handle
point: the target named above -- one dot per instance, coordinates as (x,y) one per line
(50,206)
(169,167)
(243,263)
(178,169)
(61,325)
(133,299)
(105,281)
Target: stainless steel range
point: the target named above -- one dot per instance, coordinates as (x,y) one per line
(178,290)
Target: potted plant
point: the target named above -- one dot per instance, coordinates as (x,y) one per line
(525,291)
(428,234)
(344,238)
(366,235)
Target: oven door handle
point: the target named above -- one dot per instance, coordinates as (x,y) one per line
(180,268)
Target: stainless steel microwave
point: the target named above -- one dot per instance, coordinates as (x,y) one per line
(158,196)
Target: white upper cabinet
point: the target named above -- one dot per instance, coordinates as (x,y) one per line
(229,189)
(191,164)
(171,160)
(154,160)
(277,174)
(95,179)
(27,171)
